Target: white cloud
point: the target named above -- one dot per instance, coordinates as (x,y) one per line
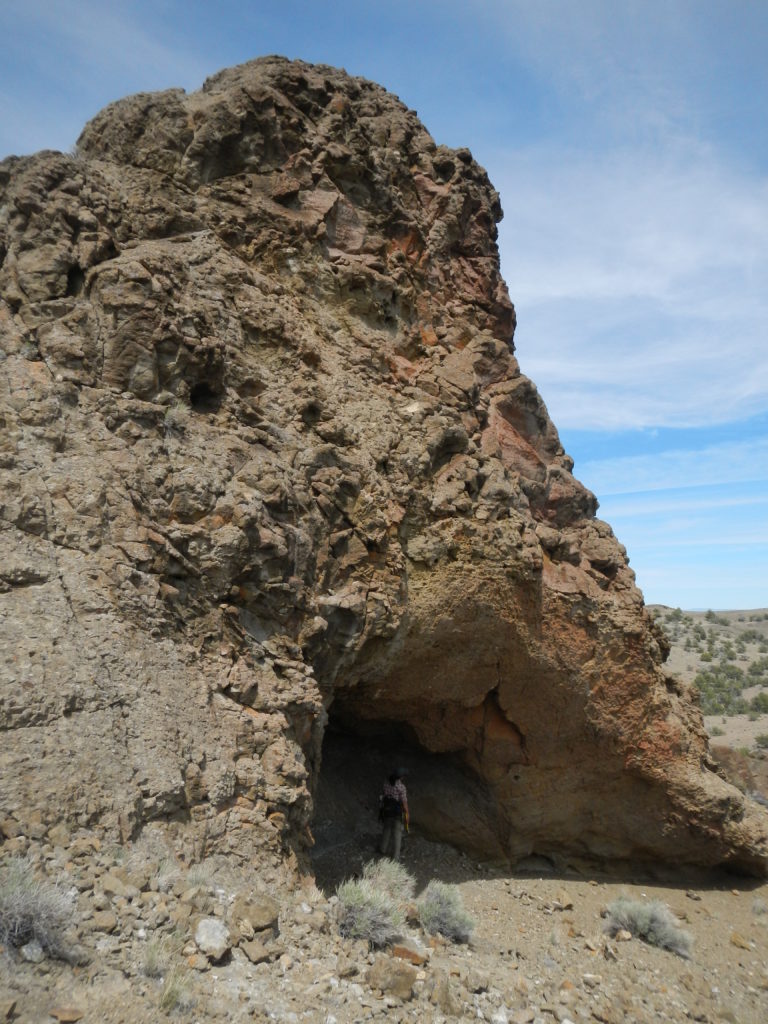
(634,506)
(641,285)
(697,585)
(717,464)
(629,224)
(633,242)
(64,62)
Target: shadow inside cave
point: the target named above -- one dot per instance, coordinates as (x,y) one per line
(453,815)
(455,827)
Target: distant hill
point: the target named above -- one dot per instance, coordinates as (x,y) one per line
(725,655)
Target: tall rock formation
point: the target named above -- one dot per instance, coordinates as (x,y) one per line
(269,470)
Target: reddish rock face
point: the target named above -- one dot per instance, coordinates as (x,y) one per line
(267,461)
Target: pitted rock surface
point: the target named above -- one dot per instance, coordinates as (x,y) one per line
(267,460)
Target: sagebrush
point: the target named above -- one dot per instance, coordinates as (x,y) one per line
(441,912)
(366,912)
(390,877)
(653,922)
(32,909)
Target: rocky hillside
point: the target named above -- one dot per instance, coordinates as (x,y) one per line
(273,487)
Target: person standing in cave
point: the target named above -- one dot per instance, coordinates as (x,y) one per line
(393,814)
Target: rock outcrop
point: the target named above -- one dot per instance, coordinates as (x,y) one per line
(269,470)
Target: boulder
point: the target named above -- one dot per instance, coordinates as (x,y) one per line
(212,938)
(392,977)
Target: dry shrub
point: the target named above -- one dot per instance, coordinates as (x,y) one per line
(365,912)
(652,922)
(390,877)
(32,909)
(441,911)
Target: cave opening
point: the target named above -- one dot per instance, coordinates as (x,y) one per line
(75,280)
(203,398)
(448,802)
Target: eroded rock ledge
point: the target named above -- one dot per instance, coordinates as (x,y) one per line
(267,459)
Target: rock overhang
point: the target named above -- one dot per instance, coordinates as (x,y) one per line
(265,426)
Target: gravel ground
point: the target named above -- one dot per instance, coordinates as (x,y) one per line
(538,953)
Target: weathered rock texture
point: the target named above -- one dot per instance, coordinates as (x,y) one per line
(266,456)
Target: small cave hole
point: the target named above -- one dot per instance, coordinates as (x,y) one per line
(310,412)
(75,280)
(203,398)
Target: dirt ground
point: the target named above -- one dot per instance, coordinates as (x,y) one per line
(539,941)
(538,953)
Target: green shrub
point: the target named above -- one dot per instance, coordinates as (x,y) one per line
(390,877)
(441,911)
(652,922)
(32,909)
(717,731)
(720,688)
(365,912)
(762,741)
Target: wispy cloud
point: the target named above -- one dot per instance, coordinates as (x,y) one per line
(63,62)
(650,504)
(715,465)
(695,583)
(633,242)
(641,284)
(702,546)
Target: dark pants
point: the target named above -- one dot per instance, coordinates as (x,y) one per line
(391,838)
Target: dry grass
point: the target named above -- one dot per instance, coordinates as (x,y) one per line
(32,909)
(159,953)
(176,993)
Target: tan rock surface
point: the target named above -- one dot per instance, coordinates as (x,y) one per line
(267,462)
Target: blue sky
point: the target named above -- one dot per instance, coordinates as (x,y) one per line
(629,143)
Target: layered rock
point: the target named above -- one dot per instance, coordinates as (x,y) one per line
(267,460)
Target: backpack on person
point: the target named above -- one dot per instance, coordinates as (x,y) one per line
(389,807)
